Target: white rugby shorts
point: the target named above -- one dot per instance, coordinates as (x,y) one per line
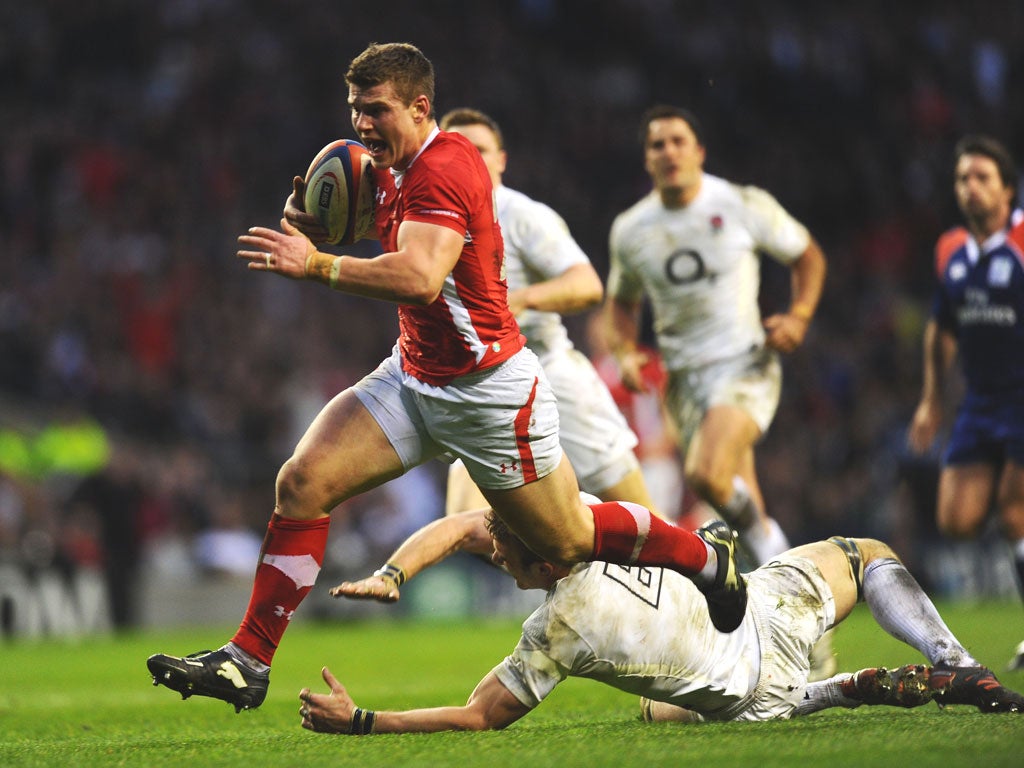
(751,382)
(592,429)
(793,606)
(502,422)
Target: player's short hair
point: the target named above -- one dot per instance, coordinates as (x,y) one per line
(468,116)
(401,64)
(663,111)
(995,150)
(501,533)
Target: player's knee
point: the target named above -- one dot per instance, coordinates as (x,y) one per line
(873,549)
(297,493)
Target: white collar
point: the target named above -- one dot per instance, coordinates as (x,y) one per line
(995,240)
(398,175)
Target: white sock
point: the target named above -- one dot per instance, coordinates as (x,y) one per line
(246,659)
(709,572)
(1017,548)
(739,511)
(902,609)
(825,694)
(764,544)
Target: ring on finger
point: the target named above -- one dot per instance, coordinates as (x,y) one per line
(267,257)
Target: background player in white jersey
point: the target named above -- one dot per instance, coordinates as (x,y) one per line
(645,631)
(978,315)
(691,248)
(549,275)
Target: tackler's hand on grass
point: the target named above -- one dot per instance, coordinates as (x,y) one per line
(328,712)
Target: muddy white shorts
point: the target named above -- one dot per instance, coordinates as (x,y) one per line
(751,382)
(793,606)
(502,422)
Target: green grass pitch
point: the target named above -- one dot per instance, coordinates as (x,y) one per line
(90,703)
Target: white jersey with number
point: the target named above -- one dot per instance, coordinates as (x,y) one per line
(538,247)
(700,268)
(642,630)
(646,631)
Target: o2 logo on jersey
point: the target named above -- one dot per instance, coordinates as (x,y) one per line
(685,266)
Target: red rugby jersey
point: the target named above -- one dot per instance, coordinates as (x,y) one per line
(469,327)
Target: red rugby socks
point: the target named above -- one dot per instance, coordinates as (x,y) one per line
(628,534)
(293,551)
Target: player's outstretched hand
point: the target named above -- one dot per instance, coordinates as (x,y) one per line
(327,712)
(295,213)
(378,588)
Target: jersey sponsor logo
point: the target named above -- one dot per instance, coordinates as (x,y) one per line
(1000,271)
(978,311)
(992,314)
(685,266)
(640,581)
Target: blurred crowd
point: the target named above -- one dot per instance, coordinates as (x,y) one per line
(140,139)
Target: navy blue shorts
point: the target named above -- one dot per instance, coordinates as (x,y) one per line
(987,430)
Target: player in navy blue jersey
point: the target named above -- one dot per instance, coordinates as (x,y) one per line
(978,316)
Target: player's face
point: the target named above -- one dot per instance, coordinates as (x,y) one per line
(483,139)
(979,187)
(390,129)
(672,155)
(510,559)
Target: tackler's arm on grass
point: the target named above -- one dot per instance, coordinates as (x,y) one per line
(465,532)
(491,706)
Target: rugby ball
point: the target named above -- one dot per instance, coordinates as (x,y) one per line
(340,191)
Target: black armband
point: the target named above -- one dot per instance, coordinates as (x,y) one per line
(362,721)
(393,572)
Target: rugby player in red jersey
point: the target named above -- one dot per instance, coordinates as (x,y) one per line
(460,382)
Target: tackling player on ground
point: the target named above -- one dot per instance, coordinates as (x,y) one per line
(646,631)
